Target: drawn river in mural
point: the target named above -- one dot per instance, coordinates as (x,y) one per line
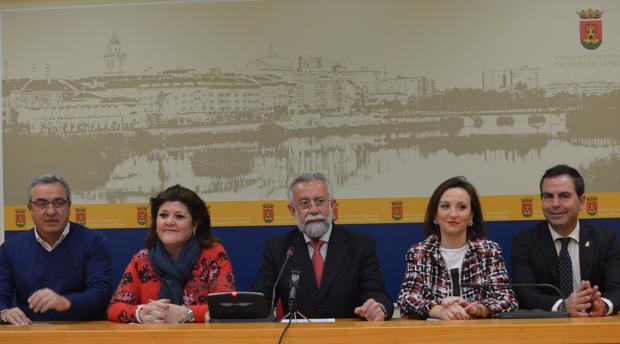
(361,164)
(502,154)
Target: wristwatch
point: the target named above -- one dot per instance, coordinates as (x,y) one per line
(2,320)
(190,315)
(385,315)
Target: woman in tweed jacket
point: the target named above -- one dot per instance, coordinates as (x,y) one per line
(456,244)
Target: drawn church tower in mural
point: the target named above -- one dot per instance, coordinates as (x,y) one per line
(114,58)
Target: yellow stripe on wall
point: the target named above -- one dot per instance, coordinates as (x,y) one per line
(349,211)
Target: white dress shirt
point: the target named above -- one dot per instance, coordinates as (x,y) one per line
(47,246)
(573,252)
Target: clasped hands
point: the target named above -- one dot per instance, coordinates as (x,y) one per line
(457,308)
(40,301)
(162,311)
(586,301)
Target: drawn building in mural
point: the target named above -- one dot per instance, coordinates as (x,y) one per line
(402,88)
(115,57)
(508,79)
(268,88)
(585,88)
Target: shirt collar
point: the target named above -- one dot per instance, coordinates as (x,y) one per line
(324,237)
(573,235)
(47,246)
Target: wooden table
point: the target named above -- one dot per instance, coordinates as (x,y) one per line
(574,330)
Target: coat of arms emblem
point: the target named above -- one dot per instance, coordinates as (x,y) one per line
(335,211)
(590,28)
(592,205)
(397,210)
(20,217)
(80,215)
(527,207)
(142,215)
(268,213)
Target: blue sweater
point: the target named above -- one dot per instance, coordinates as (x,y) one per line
(80,269)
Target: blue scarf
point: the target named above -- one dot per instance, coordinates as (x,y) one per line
(174,274)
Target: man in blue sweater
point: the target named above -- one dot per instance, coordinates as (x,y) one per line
(58,270)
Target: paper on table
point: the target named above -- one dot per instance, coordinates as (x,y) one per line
(317,320)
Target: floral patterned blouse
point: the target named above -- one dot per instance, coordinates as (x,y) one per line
(139,284)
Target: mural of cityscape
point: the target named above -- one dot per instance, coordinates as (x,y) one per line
(234,99)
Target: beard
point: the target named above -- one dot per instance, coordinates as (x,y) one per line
(314,230)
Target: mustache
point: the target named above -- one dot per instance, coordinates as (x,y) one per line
(314,218)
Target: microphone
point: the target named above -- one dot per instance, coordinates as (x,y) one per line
(294,286)
(524,313)
(289,254)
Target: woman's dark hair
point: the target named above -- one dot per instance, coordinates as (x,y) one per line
(197,209)
(477,230)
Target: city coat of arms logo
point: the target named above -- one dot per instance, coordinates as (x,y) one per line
(335,210)
(80,215)
(268,212)
(590,28)
(20,217)
(592,205)
(142,215)
(527,207)
(397,210)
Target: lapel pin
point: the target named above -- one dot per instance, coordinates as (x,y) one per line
(587,244)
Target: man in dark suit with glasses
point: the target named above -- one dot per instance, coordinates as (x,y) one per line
(339,268)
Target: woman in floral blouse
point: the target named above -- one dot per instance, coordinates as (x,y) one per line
(456,243)
(182,263)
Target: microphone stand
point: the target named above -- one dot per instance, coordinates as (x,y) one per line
(272,310)
(294,314)
(292,298)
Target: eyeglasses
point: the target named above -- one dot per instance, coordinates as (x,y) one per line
(307,203)
(43,203)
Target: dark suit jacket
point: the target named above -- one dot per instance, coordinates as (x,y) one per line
(535,260)
(350,274)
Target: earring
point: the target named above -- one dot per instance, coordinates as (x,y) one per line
(471,223)
(435,221)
